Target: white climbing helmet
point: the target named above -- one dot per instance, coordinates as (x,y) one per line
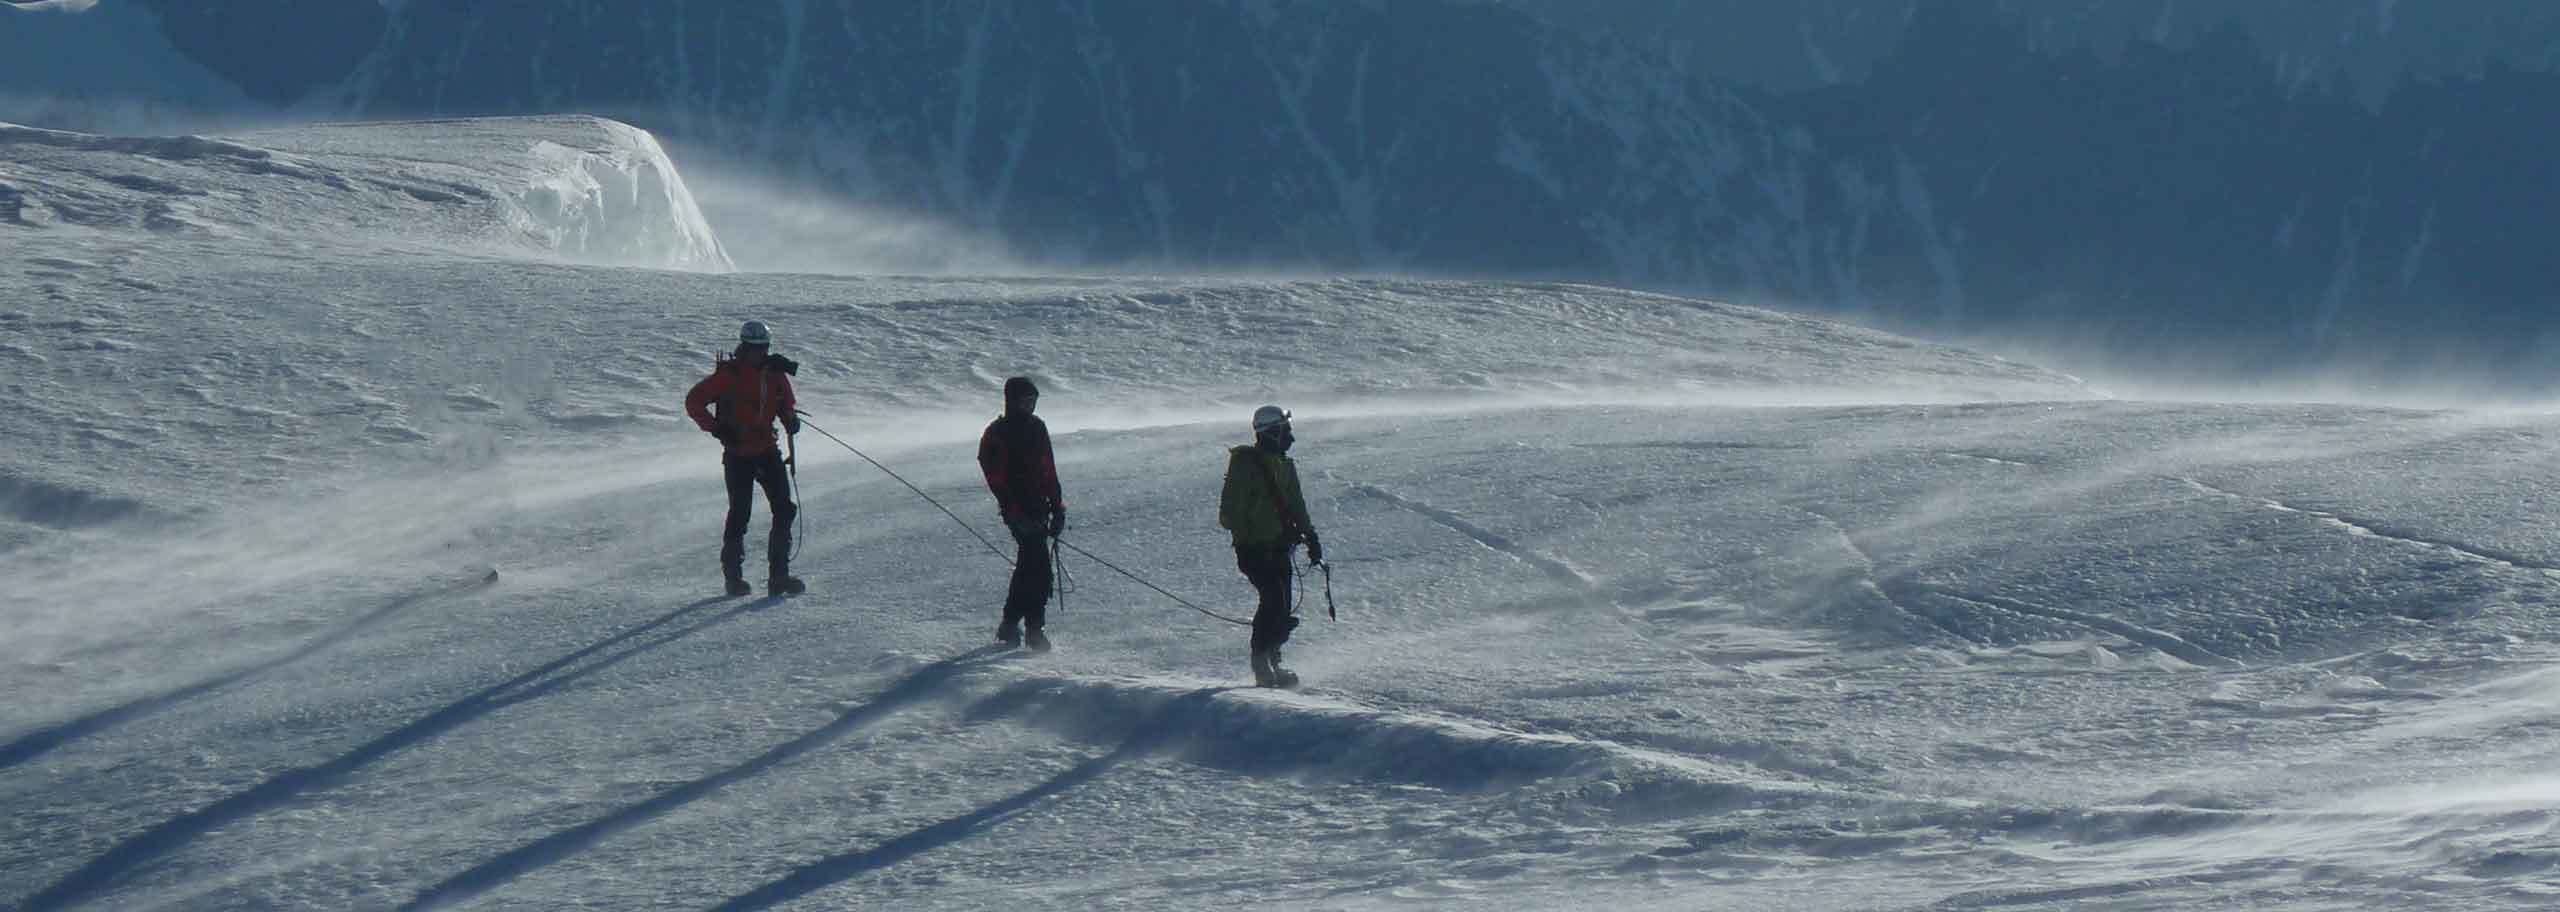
(755,333)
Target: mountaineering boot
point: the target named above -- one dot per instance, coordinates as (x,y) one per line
(1267,671)
(784,584)
(1035,640)
(1280,677)
(1009,633)
(738,585)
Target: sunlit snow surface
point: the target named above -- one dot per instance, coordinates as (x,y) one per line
(580,188)
(1644,602)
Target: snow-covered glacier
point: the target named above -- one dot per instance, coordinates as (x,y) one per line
(349,571)
(578,189)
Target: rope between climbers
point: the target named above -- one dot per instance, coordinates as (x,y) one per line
(928,498)
(999,552)
(1179,600)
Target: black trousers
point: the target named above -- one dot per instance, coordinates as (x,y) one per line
(1027,601)
(744,474)
(1269,570)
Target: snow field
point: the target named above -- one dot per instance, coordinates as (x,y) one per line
(1645,602)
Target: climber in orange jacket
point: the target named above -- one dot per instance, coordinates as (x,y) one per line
(739,403)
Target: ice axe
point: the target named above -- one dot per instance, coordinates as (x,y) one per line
(1327,567)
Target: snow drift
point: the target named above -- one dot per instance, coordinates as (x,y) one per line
(581,189)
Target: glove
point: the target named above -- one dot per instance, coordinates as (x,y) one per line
(791,425)
(1057,520)
(727,434)
(1315,549)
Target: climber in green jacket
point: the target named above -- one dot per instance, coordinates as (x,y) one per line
(1266,512)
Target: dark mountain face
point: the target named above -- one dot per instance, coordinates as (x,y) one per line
(275,50)
(2371,45)
(2181,197)
(2214,191)
(1405,135)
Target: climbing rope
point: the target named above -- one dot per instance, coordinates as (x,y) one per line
(1064,583)
(928,498)
(1160,590)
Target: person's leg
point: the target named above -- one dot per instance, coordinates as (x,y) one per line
(1035,599)
(1268,569)
(733,545)
(1029,592)
(776,479)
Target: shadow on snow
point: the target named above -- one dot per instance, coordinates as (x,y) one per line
(175,833)
(535,855)
(826,872)
(37,743)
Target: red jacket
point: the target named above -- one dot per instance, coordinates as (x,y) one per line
(748,399)
(1021,469)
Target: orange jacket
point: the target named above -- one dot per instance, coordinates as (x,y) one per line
(747,399)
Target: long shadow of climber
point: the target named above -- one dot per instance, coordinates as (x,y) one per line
(36,743)
(1143,738)
(535,855)
(101,872)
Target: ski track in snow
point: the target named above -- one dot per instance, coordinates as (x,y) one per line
(2157,639)
(1558,570)
(1886,589)
(1994,460)
(2373,529)
(1871,583)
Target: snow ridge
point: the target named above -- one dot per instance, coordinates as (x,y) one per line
(576,188)
(622,204)
(1280,733)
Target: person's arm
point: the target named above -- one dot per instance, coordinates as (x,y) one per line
(1297,500)
(697,402)
(1047,485)
(1232,496)
(1049,472)
(991,461)
(790,411)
